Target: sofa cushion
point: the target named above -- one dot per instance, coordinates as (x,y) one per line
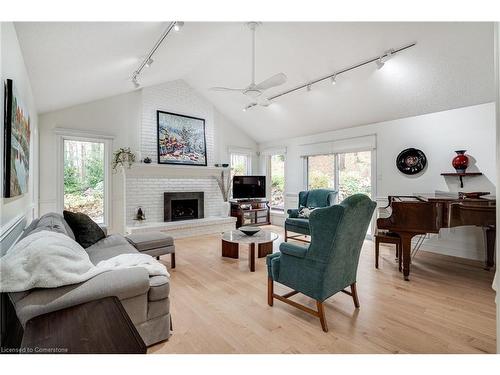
(109,247)
(159,288)
(86,231)
(149,240)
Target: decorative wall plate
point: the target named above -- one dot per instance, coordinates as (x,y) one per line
(411,161)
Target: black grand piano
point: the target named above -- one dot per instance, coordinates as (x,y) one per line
(416,214)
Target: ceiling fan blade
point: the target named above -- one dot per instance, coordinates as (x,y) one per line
(225,89)
(276,80)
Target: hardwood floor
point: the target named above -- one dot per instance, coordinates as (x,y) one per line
(219,306)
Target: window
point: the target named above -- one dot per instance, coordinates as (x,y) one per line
(349,173)
(321,172)
(354,174)
(240,165)
(277,177)
(83,179)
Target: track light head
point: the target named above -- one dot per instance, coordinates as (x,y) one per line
(149,62)
(309,88)
(251,105)
(178,25)
(380,63)
(384,58)
(135,83)
(334,79)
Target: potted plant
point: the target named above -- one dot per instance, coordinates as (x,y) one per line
(123,157)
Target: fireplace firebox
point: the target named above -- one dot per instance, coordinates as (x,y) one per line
(183,206)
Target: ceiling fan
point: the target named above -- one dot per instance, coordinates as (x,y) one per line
(254,91)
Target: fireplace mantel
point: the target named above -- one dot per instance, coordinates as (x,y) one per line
(171,171)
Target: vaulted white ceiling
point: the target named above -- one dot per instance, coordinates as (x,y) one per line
(451,66)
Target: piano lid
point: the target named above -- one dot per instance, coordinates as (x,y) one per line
(450,196)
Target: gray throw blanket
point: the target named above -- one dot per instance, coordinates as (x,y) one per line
(49,260)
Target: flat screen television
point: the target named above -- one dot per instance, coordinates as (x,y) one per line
(247,187)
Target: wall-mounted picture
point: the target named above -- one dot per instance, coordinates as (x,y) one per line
(17,128)
(181,139)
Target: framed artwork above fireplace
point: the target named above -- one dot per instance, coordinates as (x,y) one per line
(181,139)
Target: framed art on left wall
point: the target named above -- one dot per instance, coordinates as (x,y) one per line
(17,136)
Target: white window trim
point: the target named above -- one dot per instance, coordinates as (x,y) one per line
(79,135)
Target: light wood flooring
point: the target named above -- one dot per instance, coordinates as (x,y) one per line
(219,306)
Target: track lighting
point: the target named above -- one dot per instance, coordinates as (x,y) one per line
(379,60)
(148,60)
(380,63)
(384,58)
(178,25)
(251,105)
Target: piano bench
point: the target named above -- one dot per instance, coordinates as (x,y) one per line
(387,237)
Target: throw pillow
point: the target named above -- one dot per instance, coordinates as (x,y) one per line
(86,231)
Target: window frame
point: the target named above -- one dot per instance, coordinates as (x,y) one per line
(373,162)
(337,168)
(248,165)
(336,171)
(76,135)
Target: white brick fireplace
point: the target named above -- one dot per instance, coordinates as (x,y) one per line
(145,184)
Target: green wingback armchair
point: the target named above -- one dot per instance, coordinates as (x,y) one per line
(329,264)
(312,199)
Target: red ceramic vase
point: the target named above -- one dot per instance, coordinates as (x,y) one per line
(460,162)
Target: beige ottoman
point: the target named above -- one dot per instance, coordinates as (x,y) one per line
(155,244)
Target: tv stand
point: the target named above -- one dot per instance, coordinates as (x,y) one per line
(251,212)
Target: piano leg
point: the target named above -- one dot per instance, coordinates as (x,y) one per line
(489,237)
(406,253)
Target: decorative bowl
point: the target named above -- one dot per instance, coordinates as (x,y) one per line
(249,230)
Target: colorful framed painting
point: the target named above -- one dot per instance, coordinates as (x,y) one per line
(17,135)
(181,139)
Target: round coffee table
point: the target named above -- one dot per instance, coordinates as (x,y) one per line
(232,239)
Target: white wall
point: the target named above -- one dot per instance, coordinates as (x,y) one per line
(12,67)
(131,119)
(438,135)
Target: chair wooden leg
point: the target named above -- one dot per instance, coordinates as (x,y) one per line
(377,250)
(172,260)
(270,291)
(286,235)
(321,315)
(354,294)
